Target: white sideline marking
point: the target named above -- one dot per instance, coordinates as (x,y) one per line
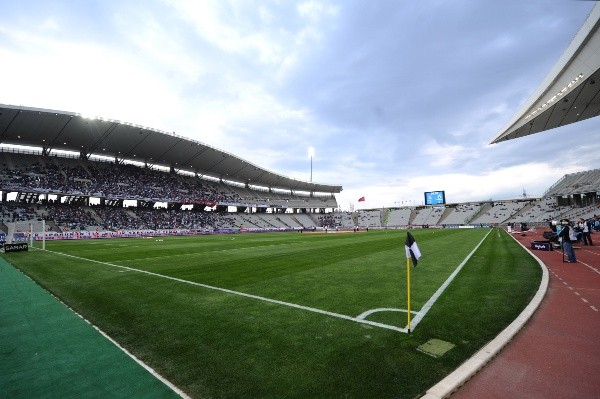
(442,288)
(141,363)
(458,377)
(131,355)
(260,298)
(359,319)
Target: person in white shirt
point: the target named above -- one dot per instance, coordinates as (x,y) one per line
(586,237)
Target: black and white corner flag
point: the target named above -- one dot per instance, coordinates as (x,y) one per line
(412,249)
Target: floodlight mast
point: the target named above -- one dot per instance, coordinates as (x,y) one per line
(311,154)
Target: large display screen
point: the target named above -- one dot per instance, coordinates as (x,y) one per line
(435,197)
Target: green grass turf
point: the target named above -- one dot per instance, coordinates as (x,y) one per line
(215,344)
(47,351)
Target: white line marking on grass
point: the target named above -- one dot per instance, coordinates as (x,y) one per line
(464,372)
(141,363)
(131,355)
(228,291)
(366,314)
(443,287)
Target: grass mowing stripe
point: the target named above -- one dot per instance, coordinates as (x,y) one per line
(273,263)
(49,350)
(359,319)
(228,291)
(425,309)
(215,345)
(132,356)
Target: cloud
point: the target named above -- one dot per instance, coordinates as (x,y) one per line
(496,185)
(444,155)
(394,98)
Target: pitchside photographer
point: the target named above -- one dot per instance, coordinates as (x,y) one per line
(552,235)
(566,235)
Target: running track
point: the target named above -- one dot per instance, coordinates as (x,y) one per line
(557,352)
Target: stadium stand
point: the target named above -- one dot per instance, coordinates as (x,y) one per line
(59,191)
(67,176)
(303,220)
(398,217)
(428,216)
(539,211)
(461,214)
(369,218)
(341,220)
(498,212)
(575,183)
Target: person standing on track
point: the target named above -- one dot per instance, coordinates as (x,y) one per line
(586,237)
(565,238)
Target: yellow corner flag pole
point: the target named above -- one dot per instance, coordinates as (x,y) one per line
(408,290)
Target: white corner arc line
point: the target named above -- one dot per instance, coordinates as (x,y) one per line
(443,287)
(366,314)
(228,291)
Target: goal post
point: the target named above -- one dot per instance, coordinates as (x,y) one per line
(21,235)
(37,234)
(10,234)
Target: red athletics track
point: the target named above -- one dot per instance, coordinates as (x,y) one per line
(557,353)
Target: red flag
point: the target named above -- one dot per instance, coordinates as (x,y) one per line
(361,199)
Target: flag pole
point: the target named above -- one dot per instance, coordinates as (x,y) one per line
(412,254)
(408,290)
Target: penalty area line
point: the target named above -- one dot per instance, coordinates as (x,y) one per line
(243,294)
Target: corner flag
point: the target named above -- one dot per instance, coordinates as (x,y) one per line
(412,249)
(412,254)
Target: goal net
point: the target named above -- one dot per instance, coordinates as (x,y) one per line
(32,232)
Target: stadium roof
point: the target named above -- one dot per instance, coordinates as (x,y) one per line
(64,131)
(571,91)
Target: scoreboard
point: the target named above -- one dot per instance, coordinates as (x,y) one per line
(435,197)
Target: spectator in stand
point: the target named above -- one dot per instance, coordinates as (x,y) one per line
(586,237)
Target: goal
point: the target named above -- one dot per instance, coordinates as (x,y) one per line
(32,232)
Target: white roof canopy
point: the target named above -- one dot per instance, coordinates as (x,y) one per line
(571,91)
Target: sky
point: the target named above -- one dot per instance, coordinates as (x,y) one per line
(391,98)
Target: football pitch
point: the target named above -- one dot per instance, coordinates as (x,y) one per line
(275,315)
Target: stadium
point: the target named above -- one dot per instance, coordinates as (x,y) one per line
(141,263)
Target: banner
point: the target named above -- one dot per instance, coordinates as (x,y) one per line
(16,247)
